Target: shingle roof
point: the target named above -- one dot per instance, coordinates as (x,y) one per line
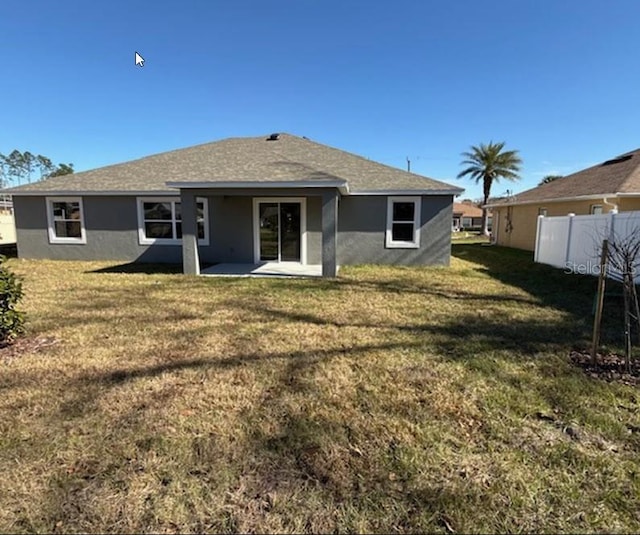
(466,209)
(253,159)
(618,175)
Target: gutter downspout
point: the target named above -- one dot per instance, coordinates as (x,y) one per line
(615,206)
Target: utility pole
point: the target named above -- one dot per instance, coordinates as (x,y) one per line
(408,164)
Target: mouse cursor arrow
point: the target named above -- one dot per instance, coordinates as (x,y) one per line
(139,60)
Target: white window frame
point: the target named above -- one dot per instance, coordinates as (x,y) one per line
(142,237)
(467,222)
(415,243)
(542,212)
(592,209)
(303,227)
(53,238)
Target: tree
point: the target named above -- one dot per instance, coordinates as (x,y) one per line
(549,178)
(18,166)
(623,255)
(62,169)
(11,319)
(4,172)
(14,166)
(28,162)
(45,165)
(490,163)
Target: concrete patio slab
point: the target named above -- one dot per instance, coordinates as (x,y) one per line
(267,269)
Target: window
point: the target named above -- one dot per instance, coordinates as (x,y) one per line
(65,219)
(596,209)
(542,211)
(403,223)
(160,221)
(467,222)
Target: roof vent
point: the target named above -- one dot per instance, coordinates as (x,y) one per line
(619,159)
(273,137)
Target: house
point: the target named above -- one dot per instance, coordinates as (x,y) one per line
(7,222)
(611,185)
(467,216)
(278,199)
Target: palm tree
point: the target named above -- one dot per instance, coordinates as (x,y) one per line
(490,163)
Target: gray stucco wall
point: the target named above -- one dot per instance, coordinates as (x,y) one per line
(111,224)
(232,229)
(362,223)
(314,230)
(112,231)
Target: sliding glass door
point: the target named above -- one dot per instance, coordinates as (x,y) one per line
(269,232)
(280,231)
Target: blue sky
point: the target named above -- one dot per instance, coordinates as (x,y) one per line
(557,80)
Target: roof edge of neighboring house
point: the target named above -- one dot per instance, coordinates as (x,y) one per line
(458,211)
(563,199)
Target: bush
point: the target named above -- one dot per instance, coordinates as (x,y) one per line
(11,320)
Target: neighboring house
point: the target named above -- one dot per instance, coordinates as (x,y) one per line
(614,184)
(278,199)
(7,222)
(467,216)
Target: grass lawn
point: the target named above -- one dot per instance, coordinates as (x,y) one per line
(390,400)
(467,237)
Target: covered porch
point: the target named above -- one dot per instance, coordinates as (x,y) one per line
(279,234)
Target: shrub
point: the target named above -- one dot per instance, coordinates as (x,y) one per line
(11,320)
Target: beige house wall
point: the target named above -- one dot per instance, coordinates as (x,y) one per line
(7,228)
(522,219)
(629,204)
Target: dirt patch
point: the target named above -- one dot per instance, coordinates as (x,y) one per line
(611,367)
(24,346)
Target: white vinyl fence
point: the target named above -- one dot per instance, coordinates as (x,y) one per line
(574,242)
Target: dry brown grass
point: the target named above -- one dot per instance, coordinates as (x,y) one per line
(391,400)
